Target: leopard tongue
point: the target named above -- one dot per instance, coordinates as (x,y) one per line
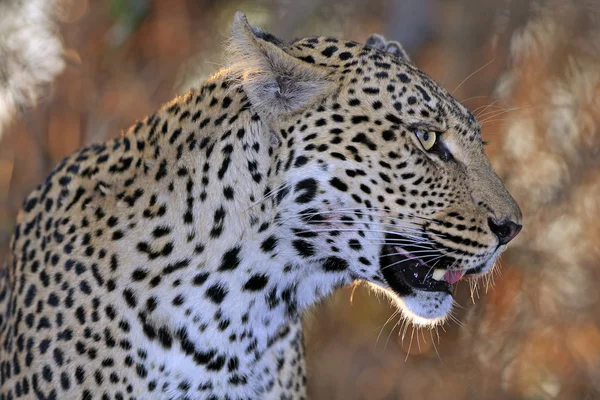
(454,276)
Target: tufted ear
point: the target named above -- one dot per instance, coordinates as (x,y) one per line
(276,82)
(378,42)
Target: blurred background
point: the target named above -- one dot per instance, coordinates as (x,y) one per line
(530,70)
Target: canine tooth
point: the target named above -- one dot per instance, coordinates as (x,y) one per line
(438,274)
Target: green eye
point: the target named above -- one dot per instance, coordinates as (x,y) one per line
(427,138)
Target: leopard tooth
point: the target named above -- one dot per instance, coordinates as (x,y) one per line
(438,274)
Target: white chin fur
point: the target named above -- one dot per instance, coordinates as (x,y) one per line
(426,308)
(420,307)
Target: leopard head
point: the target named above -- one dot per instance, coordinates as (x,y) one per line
(388,177)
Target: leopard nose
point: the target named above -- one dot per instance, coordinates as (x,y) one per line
(504,230)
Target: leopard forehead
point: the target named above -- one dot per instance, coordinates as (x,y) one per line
(377,81)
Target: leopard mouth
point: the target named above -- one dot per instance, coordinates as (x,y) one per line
(405,271)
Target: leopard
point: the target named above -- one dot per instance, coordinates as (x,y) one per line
(177,261)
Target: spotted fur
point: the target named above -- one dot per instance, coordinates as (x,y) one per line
(176,261)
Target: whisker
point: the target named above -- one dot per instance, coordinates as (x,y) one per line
(361,211)
(408,242)
(433,342)
(387,211)
(406,260)
(493,104)
(410,344)
(476,71)
(473,98)
(389,335)
(383,327)
(348,230)
(496,113)
(408,224)
(269,194)
(426,252)
(349,223)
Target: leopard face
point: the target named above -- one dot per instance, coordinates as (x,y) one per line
(393,183)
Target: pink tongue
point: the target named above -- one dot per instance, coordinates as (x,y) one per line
(453,276)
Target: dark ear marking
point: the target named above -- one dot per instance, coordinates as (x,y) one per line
(377,41)
(396,49)
(266,36)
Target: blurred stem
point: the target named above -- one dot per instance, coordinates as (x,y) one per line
(128,15)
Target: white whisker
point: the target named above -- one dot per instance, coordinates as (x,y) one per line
(476,71)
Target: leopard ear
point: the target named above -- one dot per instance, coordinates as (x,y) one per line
(379,42)
(396,49)
(276,82)
(376,41)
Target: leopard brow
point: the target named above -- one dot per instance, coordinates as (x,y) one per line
(427,127)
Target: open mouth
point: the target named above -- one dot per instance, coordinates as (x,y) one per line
(412,267)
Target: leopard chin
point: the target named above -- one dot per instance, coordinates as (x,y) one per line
(422,291)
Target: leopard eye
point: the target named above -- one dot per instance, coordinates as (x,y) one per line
(427,138)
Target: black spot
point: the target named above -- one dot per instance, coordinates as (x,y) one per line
(423,93)
(282,193)
(139,274)
(308,187)
(345,55)
(338,184)
(141,371)
(226,102)
(371,90)
(393,119)
(304,248)
(335,264)
(30,295)
(172,267)
(129,297)
(200,278)
(228,192)
(308,59)
(357,119)
(80,376)
(328,52)
(300,161)
(162,170)
(80,315)
(216,293)
(218,220)
(47,373)
(231,259)
(363,139)
(354,244)
(269,244)
(256,282)
(178,300)
(388,135)
(175,135)
(44,344)
(161,231)
(65,382)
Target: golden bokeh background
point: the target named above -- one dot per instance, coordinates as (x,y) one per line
(530,70)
